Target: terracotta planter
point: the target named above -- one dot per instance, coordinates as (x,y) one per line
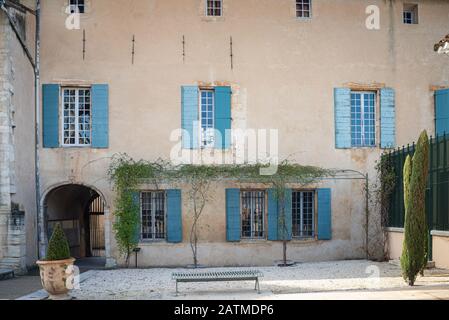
(54,277)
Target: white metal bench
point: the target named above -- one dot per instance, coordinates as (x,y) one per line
(243,275)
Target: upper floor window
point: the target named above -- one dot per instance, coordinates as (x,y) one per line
(303,8)
(207,118)
(214,8)
(410,13)
(77,4)
(76,117)
(303,214)
(253,214)
(363,120)
(152,215)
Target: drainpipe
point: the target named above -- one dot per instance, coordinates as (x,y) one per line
(37,121)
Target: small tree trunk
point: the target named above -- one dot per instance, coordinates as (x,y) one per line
(284,245)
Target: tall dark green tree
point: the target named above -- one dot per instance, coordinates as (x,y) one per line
(58,246)
(414,253)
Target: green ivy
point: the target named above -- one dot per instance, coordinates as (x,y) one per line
(127,174)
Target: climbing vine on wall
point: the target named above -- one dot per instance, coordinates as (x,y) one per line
(127,174)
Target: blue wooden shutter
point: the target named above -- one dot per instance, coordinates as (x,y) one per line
(276,230)
(324,214)
(174,216)
(273,216)
(100,116)
(387,118)
(288,216)
(233,220)
(190,117)
(442,112)
(223,117)
(136,201)
(342,100)
(50,107)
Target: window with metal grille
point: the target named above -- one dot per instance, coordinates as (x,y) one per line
(363,119)
(76,117)
(303,8)
(303,214)
(77,4)
(410,13)
(214,8)
(253,214)
(153,215)
(207,106)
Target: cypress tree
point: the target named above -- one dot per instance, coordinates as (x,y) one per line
(58,246)
(414,253)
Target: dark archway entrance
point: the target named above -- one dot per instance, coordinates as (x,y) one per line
(80,211)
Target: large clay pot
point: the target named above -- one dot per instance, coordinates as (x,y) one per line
(54,275)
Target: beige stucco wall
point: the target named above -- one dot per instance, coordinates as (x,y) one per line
(440,246)
(285,69)
(395,240)
(440,251)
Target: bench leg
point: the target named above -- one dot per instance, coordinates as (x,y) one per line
(257,288)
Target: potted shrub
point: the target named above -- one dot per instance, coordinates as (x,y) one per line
(54,270)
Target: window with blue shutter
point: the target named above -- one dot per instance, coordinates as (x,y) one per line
(223,117)
(190,117)
(174,216)
(100,116)
(442,112)
(387,118)
(342,105)
(233,218)
(324,214)
(206,117)
(50,108)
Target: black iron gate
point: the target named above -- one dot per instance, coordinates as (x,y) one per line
(96,228)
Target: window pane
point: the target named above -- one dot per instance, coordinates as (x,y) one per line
(153,215)
(363,129)
(207,118)
(253,214)
(303,214)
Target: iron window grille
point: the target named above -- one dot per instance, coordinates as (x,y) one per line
(153,215)
(207,115)
(214,8)
(253,214)
(303,8)
(76,117)
(303,214)
(363,119)
(80,4)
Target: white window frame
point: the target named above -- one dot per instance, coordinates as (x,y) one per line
(362,118)
(77,5)
(153,216)
(207,7)
(413,10)
(264,215)
(211,145)
(301,215)
(310,10)
(76,144)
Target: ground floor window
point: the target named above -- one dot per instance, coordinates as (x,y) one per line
(303,214)
(153,215)
(253,214)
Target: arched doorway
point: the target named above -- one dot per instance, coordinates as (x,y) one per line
(80,211)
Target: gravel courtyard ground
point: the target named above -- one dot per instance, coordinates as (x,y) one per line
(301,281)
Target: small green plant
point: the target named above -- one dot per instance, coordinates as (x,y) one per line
(58,247)
(414,253)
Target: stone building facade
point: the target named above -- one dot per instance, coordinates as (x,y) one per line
(136,72)
(17,182)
